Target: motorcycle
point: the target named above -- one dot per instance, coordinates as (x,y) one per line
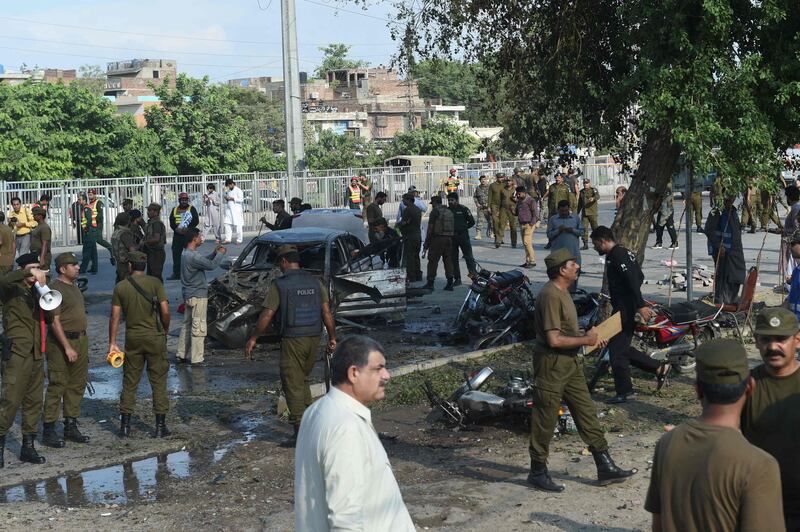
(516,324)
(489,301)
(468,404)
(670,335)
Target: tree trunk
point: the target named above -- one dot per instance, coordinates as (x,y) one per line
(643,199)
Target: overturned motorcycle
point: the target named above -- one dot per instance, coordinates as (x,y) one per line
(469,405)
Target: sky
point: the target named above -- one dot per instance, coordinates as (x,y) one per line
(221,39)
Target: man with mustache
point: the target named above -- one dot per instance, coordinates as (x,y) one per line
(343,479)
(771,415)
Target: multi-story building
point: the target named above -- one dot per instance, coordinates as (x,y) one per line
(135,77)
(46,75)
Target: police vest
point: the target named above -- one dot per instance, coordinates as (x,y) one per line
(92,207)
(355,193)
(452,185)
(444,225)
(177,216)
(300,304)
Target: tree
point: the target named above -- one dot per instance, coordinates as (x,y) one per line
(340,151)
(436,137)
(335,58)
(52,131)
(456,83)
(92,78)
(715,81)
(197,124)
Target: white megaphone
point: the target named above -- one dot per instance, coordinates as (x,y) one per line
(49,299)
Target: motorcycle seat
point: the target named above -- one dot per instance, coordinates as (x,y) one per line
(690,311)
(509,278)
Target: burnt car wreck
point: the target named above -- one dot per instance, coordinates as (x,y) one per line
(358,280)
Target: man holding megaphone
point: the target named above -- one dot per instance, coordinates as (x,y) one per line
(22,354)
(67,356)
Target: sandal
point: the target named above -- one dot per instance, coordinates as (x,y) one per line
(662,376)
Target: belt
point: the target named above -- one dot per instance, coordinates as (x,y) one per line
(74,335)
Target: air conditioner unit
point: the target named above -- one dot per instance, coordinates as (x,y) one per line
(314,96)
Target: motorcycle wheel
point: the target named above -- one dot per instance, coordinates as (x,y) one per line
(687,363)
(488,340)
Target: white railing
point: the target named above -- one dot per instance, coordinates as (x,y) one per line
(326,188)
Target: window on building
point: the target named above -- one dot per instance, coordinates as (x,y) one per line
(155,74)
(381,121)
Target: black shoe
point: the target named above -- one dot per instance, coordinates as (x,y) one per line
(526,265)
(662,376)
(71,431)
(181,360)
(674,245)
(50,437)
(585,246)
(700,229)
(752,230)
(2,451)
(161,426)
(547,246)
(125,426)
(456,282)
(619,399)
(540,478)
(496,246)
(608,472)
(428,285)
(449,285)
(28,452)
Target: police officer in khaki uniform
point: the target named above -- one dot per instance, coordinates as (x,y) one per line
(482,213)
(508,209)
(410,227)
(22,364)
(705,475)
(495,203)
(751,208)
(123,241)
(558,373)
(67,356)
(587,209)
(42,238)
(155,239)
(439,243)
(8,246)
(144,302)
(302,301)
(696,200)
(769,211)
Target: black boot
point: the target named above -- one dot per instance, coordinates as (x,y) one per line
(50,437)
(125,426)
(28,452)
(161,426)
(607,471)
(71,431)
(449,285)
(428,285)
(540,478)
(2,451)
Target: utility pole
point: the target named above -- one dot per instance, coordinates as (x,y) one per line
(295,153)
(689,276)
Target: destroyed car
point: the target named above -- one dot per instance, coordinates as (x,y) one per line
(357,280)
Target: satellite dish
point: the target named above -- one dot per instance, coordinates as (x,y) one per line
(49,299)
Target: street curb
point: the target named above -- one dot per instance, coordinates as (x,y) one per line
(318,390)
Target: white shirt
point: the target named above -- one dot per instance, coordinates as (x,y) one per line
(342,476)
(233,209)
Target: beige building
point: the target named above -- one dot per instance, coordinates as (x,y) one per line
(134,77)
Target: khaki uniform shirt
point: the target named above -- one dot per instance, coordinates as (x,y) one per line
(508,199)
(556,193)
(587,203)
(771,421)
(706,477)
(20,314)
(72,311)
(495,193)
(140,320)
(155,227)
(7,247)
(39,235)
(554,311)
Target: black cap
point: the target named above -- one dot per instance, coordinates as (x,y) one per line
(27,258)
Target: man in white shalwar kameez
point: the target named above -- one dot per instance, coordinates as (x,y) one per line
(234,215)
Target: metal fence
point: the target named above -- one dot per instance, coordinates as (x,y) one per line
(319,188)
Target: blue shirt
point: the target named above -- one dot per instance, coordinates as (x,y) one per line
(794,293)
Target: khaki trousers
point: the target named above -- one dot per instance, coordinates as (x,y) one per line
(527,242)
(193,329)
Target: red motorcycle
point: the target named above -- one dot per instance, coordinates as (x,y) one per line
(672,334)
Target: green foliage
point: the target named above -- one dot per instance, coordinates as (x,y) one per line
(198,125)
(340,151)
(57,131)
(436,137)
(92,78)
(456,83)
(335,58)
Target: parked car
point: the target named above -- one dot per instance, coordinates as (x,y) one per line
(357,281)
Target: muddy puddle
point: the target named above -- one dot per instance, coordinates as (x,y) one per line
(134,481)
(181,380)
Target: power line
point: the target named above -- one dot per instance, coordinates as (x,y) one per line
(184,37)
(322,4)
